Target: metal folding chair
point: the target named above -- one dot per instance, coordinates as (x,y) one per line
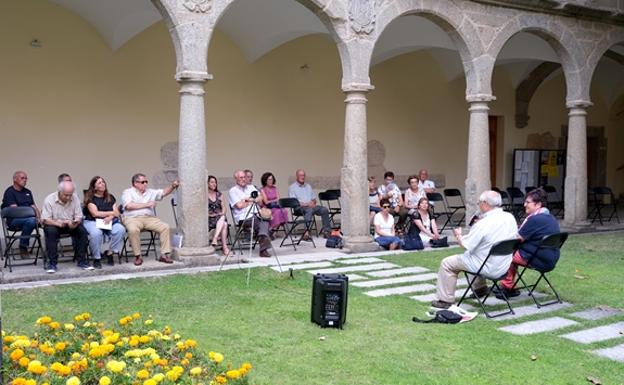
(506,247)
(516,202)
(438,208)
(331,200)
(555,203)
(454,204)
(11,234)
(553,241)
(294,223)
(604,200)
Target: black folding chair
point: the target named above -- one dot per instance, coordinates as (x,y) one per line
(604,200)
(294,223)
(528,189)
(553,241)
(438,208)
(331,200)
(516,202)
(11,234)
(555,203)
(501,248)
(242,233)
(506,204)
(455,204)
(148,240)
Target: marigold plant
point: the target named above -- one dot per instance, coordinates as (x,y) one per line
(132,352)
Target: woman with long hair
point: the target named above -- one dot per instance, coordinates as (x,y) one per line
(102,221)
(216,215)
(425,223)
(270,199)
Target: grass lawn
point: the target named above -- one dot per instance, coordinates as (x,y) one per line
(268,324)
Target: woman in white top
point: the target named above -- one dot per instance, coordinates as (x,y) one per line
(413,194)
(384,228)
(425,223)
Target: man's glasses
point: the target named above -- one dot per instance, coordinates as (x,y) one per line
(386,206)
(141,182)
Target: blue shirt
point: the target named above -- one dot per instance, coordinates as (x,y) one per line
(303,193)
(532,231)
(21,198)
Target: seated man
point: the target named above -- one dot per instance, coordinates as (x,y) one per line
(537,224)
(241,200)
(307,201)
(494,226)
(390,191)
(18,195)
(62,214)
(424,183)
(138,203)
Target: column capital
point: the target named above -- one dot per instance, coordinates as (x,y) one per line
(357,87)
(578,104)
(480,98)
(192,76)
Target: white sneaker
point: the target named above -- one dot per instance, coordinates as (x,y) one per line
(51,270)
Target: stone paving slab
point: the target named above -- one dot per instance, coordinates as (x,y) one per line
(597,313)
(615,353)
(431,296)
(355,277)
(346,269)
(524,296)
(597,334)
(355,261)
(400,290)
(303,266)
(391,272)
(538,326)
(395,280)
(525,311)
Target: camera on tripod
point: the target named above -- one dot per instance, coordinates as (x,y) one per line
(254,194)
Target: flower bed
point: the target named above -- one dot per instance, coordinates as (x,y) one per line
(135,352)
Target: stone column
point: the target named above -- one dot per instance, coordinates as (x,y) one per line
(478,163)
(353,176)
(575,194)
(192,204)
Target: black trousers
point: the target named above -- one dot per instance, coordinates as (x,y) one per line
(79,237)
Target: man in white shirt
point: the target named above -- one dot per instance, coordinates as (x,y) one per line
(424,183)
(494,226)
(243,210)
(138,203)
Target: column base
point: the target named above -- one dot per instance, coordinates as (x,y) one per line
(196,256)
(360,244)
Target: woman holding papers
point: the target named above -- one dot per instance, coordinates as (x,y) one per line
(102,220)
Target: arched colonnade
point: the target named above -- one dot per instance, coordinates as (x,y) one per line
(478,31)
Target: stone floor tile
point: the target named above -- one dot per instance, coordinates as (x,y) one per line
(303,266)
(538,326)
(596,313)
(615,353)
(395,280)
(346,269)
(400,290)
(597,334)
(525,311)
(391,272)
(355,261)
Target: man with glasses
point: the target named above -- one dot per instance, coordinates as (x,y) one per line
(138,204)
(18,195)
(494,226)
(62,214)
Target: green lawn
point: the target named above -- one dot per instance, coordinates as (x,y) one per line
(268,324)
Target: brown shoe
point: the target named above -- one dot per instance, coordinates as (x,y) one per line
(306,236)
(165,259)
(23,253)
(138,261)
(265,254)
(440,304)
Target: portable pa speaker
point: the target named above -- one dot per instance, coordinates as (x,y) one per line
(329,299)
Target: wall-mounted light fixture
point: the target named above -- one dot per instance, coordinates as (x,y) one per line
(36,43)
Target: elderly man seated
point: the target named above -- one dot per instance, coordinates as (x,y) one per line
(307,201)
(139,202)
(62,214)
(537,224)
(18,195)
(494,226)
(242,197)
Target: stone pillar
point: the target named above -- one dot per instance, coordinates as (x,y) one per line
(353,176)
(478,163)
(575,194)
(192,198)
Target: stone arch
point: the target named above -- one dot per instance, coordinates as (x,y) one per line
(613,37)
(559,37)
(448,16)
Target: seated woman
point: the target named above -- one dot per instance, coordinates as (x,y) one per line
(384,228)
(424,223)
(216,215)
(102,220)
(373,198)
(270,199)
(413,194)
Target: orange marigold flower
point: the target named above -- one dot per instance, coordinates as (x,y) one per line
(16,354)
(233,374)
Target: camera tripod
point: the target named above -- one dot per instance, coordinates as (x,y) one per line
(253,214)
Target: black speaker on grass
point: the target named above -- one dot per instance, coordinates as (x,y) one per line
(329,299)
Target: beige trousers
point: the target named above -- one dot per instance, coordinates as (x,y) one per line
(447,278)
(134,226)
